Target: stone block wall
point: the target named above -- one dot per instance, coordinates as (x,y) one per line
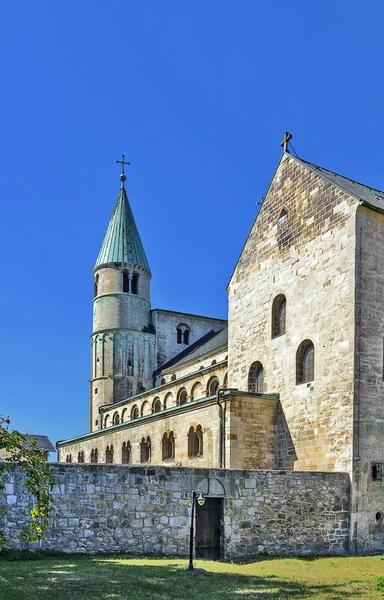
(166,323)
(309,257)
(143,510)
(368,488)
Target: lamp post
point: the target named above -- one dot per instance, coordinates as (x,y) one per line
(201,501)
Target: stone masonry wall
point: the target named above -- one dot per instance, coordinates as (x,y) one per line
(308,256)
(110,508)
(368,492)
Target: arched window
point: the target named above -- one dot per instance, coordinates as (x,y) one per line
(109,454)
(214,362)
(282,217)
(256,378)
(182,331)
(69,458)
(279,308)
(125,281)
(80,457)
(168,446)
(135,283)
(116,419)
(182,397)
(305,362)
(124,415)
(106,421)
(145,449)
(96,286)
(126,453)
(212,386)
(156,405)
(163,382)
(94,455)
(134,413)
(197,391)
(173,378)
(195,441)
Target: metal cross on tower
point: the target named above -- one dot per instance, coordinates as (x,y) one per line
(286,140)
(122,175)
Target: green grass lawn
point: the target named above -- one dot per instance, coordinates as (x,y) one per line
(101,578)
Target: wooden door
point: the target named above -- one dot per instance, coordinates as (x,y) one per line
(208,529)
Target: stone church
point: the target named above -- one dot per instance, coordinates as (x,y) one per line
(293,381)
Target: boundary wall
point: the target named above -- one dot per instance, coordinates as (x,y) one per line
(145,510)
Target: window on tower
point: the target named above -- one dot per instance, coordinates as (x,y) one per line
(96,286)
(182,332)
(135,283)
(125,281)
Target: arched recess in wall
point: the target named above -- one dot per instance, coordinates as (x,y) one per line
(134,412)
(182,334)
(145,409)
(213,384)
(279,308)
(96,286)
(182,397)
(135,283)
(197,391)
(195,441)
(124,415)
(305,362)
(126,453)
(168,446)
(107,420)
(125,281)
(256,378)
(145,449)
(109,454)
(116,419)
(156,405)
(169,400)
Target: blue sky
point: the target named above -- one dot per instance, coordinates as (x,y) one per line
(197,95)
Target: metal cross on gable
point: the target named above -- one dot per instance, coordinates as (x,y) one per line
(286,140)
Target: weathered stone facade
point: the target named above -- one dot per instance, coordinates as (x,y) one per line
(146,510)
(316,252)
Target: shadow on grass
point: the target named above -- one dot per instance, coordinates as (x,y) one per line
(75,578)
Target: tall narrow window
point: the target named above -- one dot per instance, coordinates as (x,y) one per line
(168,446)
(69,458)
(109,454)
(116,419)
(195,441)
(279,308)
(256,378)
(96,286)
(305,362)
(126,453)
(134,413)
(94,455)
(135,283)
(125,281)
(183,334)
(80,457)
(145,450)
(156,407)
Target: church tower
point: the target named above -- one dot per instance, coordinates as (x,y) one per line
(123,339)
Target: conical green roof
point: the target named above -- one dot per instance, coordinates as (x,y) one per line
(122,243)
